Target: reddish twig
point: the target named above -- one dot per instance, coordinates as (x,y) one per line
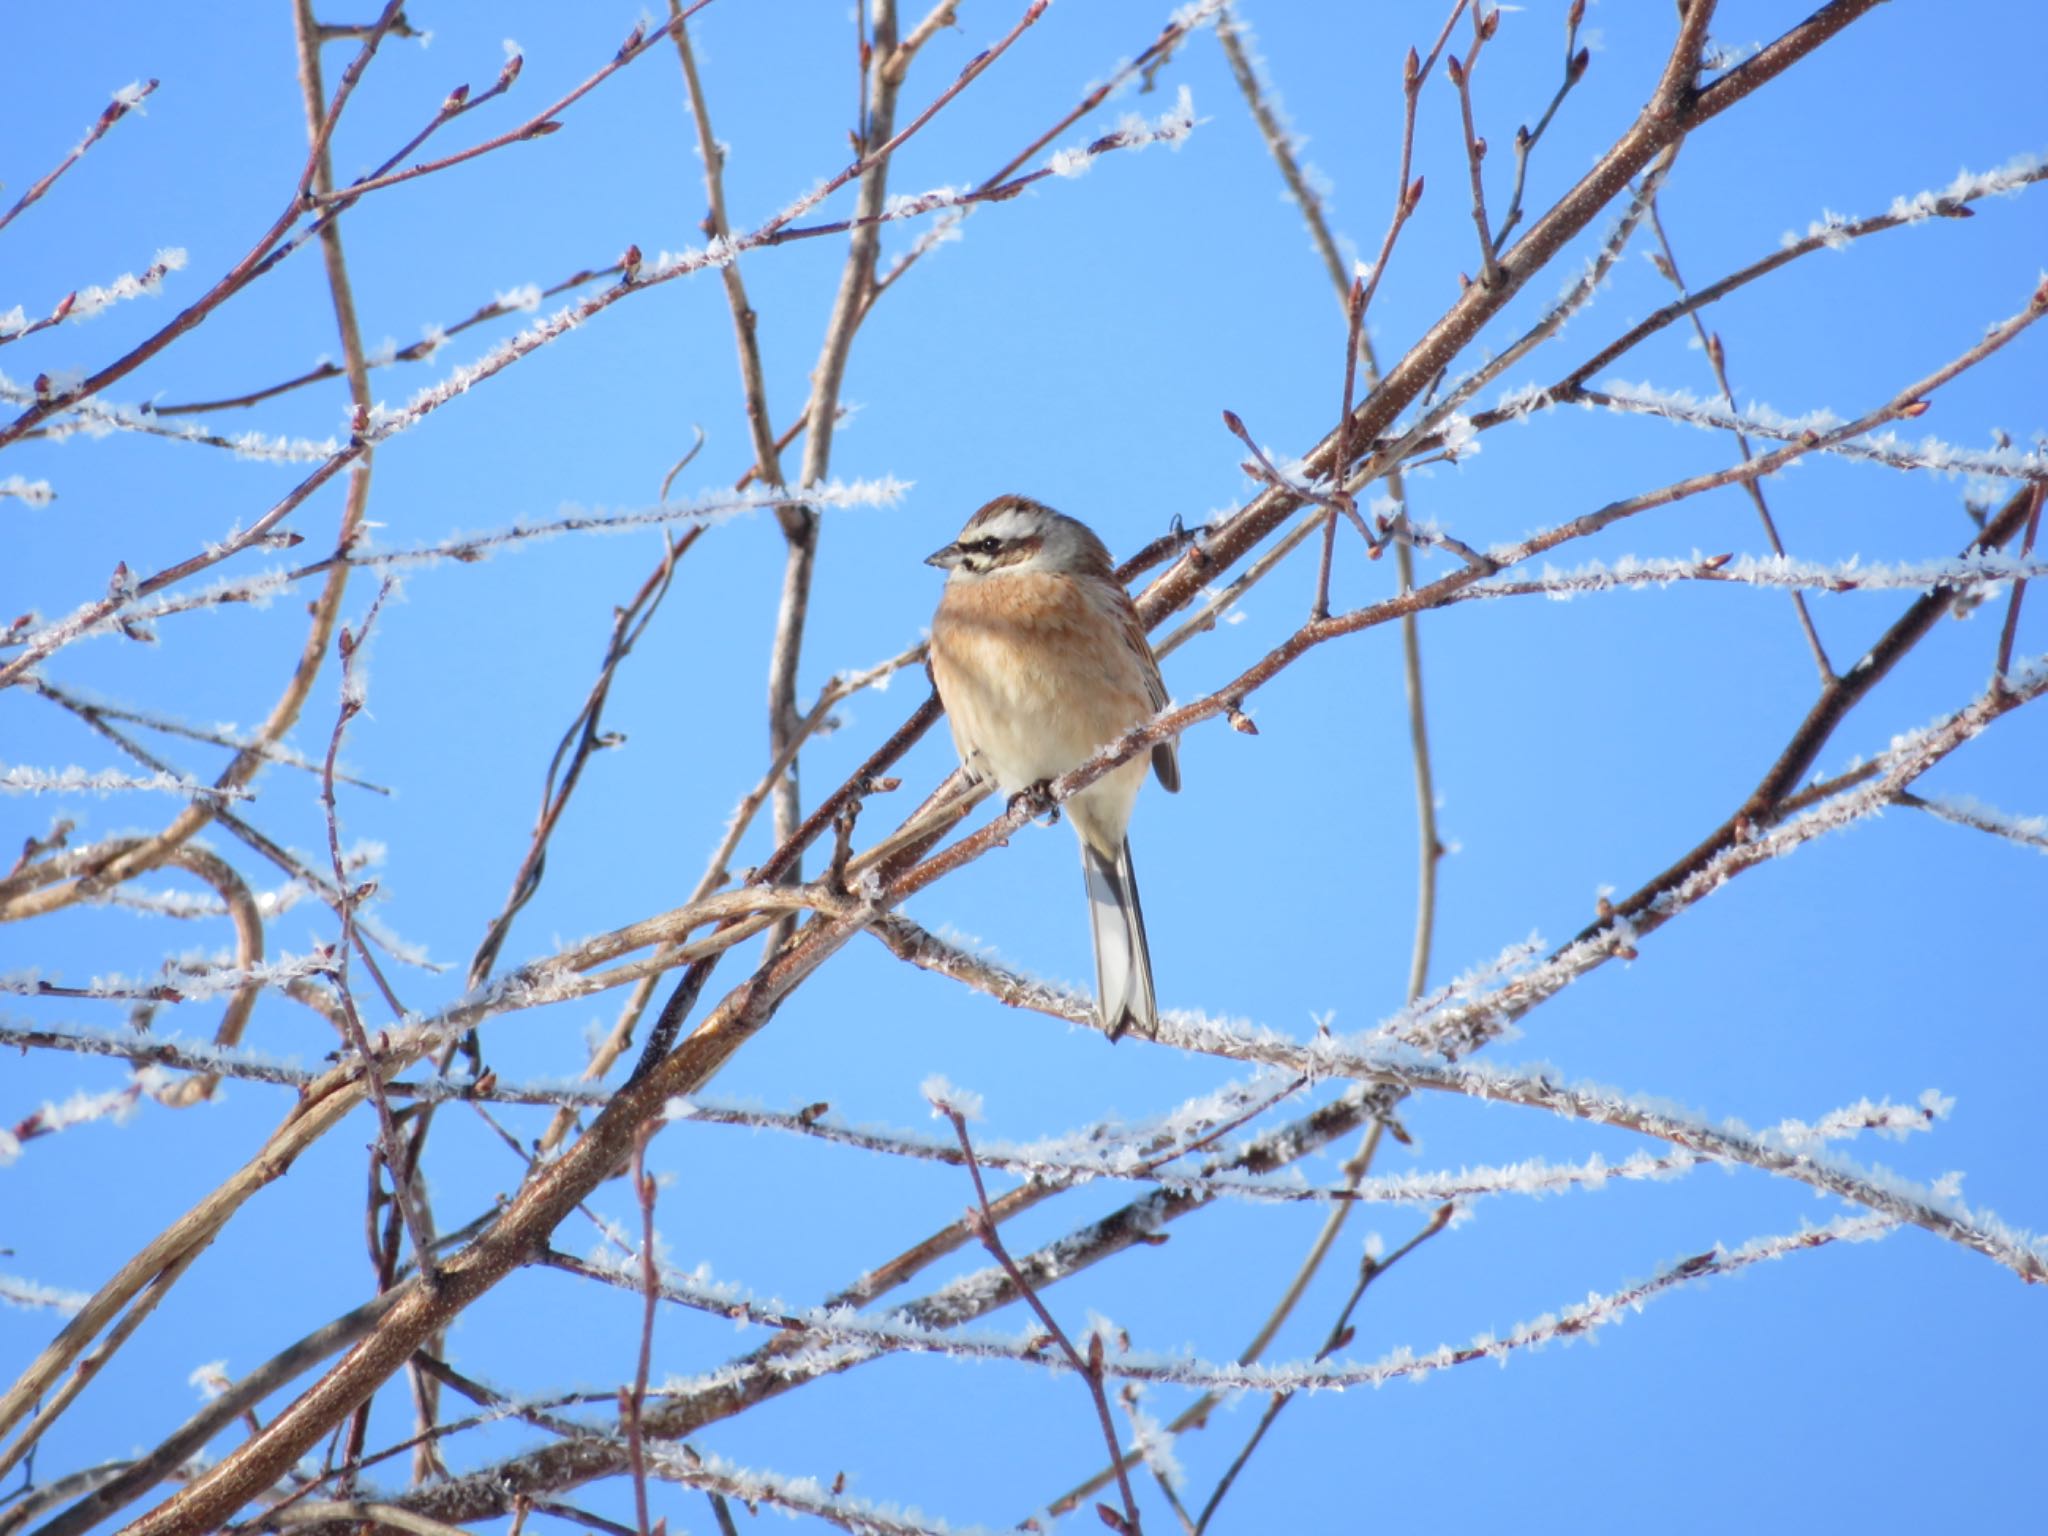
(1576,61)
(1090,1368)
(2010,629)
(252,265)
(123,103)
(1484,25)
(1408,194)
(634,1402)
(1667,264)
(1340,1336)
(391,1149)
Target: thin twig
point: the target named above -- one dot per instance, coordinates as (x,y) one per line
(1717,359)
(1089,1369)
(1484,24)
(2011,626)
(634,1403)
(123,103)
(1576,60)
(391,1148)
(1340,1335)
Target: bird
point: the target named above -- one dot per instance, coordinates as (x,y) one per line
(1040,658)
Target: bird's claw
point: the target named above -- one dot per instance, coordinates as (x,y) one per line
(1036,800)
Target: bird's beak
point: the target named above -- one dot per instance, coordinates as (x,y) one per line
(945,559)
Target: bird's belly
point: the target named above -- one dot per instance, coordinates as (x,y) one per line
(1028,699)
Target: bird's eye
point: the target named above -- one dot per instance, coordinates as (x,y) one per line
(985,546)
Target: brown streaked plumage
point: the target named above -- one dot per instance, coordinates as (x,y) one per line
(1040,659)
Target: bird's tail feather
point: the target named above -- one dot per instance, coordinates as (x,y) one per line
(1123,965)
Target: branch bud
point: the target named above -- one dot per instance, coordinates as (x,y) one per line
(1411,68)
(1490,25)
(1455,70)
(1577,67)
(1414,197)
(1919,407)
(1479,148)
(452,103)
(510,72)
(1575,15)
(633,40)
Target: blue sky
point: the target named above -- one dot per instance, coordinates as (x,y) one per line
(1078,345)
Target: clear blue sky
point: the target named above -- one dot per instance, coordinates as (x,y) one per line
(1078,345)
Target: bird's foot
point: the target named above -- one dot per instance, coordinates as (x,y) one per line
(1036,800)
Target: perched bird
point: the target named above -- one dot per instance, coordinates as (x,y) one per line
(1040,659)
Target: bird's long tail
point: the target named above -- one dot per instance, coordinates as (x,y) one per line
(1123,965)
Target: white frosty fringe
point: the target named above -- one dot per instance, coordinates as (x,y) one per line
(796,1495)
(1153,1443)
(708,511)
(193,986)
(94,417)
(1105,1151)
(1133,132)
(221,734)
(22,780)
(946,1100)
(81,1108)
(1832,229)
(1460,1024)
(94,299)
(36,493)
(16,1291)
(1979,568)
(839,1337)
(1879,447)
(385,422)
(170,1050)
(1887,1119)
(1968,811)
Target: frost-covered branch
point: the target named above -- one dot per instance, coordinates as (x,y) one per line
(92,301)
(1965,811)
(1366,1060)
(23,780)
(1980,568)
(2005,463)
(129,98)
(1828,233)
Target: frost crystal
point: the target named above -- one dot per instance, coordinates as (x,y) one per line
(945,1098)
(36,493)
